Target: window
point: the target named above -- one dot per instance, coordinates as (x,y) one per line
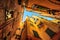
(49,11)
(58,0)
(31,24)
(19,2)
(9,33)
(9,14)
(36,20)
(53,12)
(39,7)
(18,28)
(58,21)
(40,24)
(50,32)
(59,38)
(36,34)
(5,38)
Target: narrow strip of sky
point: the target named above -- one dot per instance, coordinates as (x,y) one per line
(31,13)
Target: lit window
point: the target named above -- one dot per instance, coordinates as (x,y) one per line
(36,20)
(9,14)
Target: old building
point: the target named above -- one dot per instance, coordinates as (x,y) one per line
(11,13)
(41,29)
(14,25)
